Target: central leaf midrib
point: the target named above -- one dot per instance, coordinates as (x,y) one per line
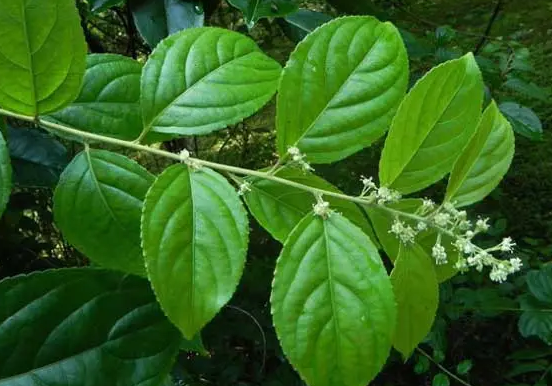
(193,246)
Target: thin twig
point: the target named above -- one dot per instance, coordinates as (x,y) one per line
(442,368)
(485,36)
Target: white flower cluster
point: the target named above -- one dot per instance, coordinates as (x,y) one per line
(244,188)
(404,233)
(186,158)
(382,195)
(299,158)
(322,208)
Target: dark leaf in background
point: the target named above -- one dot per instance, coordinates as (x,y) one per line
(83,327)
(298,24)
(524,120)
(157,19)
(37,158)
(102,5)
(253,10)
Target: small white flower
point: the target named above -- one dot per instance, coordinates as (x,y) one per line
(421,226)
(477,261)
(441,219)
(368,183)
(464,225)
(322,209)
(404,233)
(439,254)
(507,245)
(427,204)
(461,264)
(461,215)
(184,155)
(515,264)
(449,207)
(470,234)
(499,272)
(293,151)
(481,225)
(245,187)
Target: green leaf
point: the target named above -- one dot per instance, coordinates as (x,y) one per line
(536,319)
(42,55)
(441,379)
(528,89)
(253,10)
(279,208)
(540,283)
(382,221)
(97,207)
(109,102)
(83,327)
(204,79)
(332,303)
(484,161)
(434,123)
(98,6)
(5,172)
(157,19)
(194,234)
(37,158)
(464,367)
(524,120)
(417,293)
(340,88)
(302,22)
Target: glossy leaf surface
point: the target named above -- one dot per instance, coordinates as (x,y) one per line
(5,172)
(417,294)
(33,80)
(279,208)
(204,79)
(432,126)
(382,222)
(524,120)
(194,234)
(157,19)
(82,327)
(340,88)
(485,160)
(37,158)
(332,303)
(109,102)
(98,205)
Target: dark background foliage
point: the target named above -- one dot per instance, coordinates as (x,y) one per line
(476,335)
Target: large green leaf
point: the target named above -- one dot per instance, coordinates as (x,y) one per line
(194,234)
(382,221)
(253,10)
(536,319)
(83,327)
(417,293)
(204,79)
(157,19)
(37,158)
(42,55)
(340,88)
(98,205)
(5,172)
(484,161)
(109,102)
(279,208)
(540,283)
(433,125)
(524,120)
(332,303)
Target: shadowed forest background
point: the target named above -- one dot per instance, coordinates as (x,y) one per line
(477,336)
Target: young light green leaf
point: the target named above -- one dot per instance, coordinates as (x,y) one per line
(484,161)
(383,220)
(37,158)
(42,55)
(253,10)
(524,120)
(83,327)
(279,208)
(5,171)
(194,235)
(157,19)
(340,88)
(204,79)
(332,303)
(432,126)
(109,103)
(97,207)
(417,293)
